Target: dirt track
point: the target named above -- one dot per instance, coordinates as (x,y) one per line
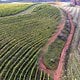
(58,73)
(73,66)
(75,48)
(52,39)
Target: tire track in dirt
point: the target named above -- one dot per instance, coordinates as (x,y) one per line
(58,72)
(52,39)
(73,70)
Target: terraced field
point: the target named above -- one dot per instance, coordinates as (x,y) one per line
(21,39)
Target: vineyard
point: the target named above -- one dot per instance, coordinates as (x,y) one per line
(21,39)
(35,42)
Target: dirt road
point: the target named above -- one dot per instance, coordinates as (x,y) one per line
(73,66)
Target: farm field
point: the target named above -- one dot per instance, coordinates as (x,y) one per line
(11,9)
(39,41)
(21,39)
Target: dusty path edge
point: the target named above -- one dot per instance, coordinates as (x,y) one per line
(58,72)
(52,39)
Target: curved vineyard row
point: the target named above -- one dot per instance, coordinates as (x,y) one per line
(20,49)
(22,38)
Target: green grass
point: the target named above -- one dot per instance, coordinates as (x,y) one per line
(53,53)
(51,57)
(10,9)
(21,38)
